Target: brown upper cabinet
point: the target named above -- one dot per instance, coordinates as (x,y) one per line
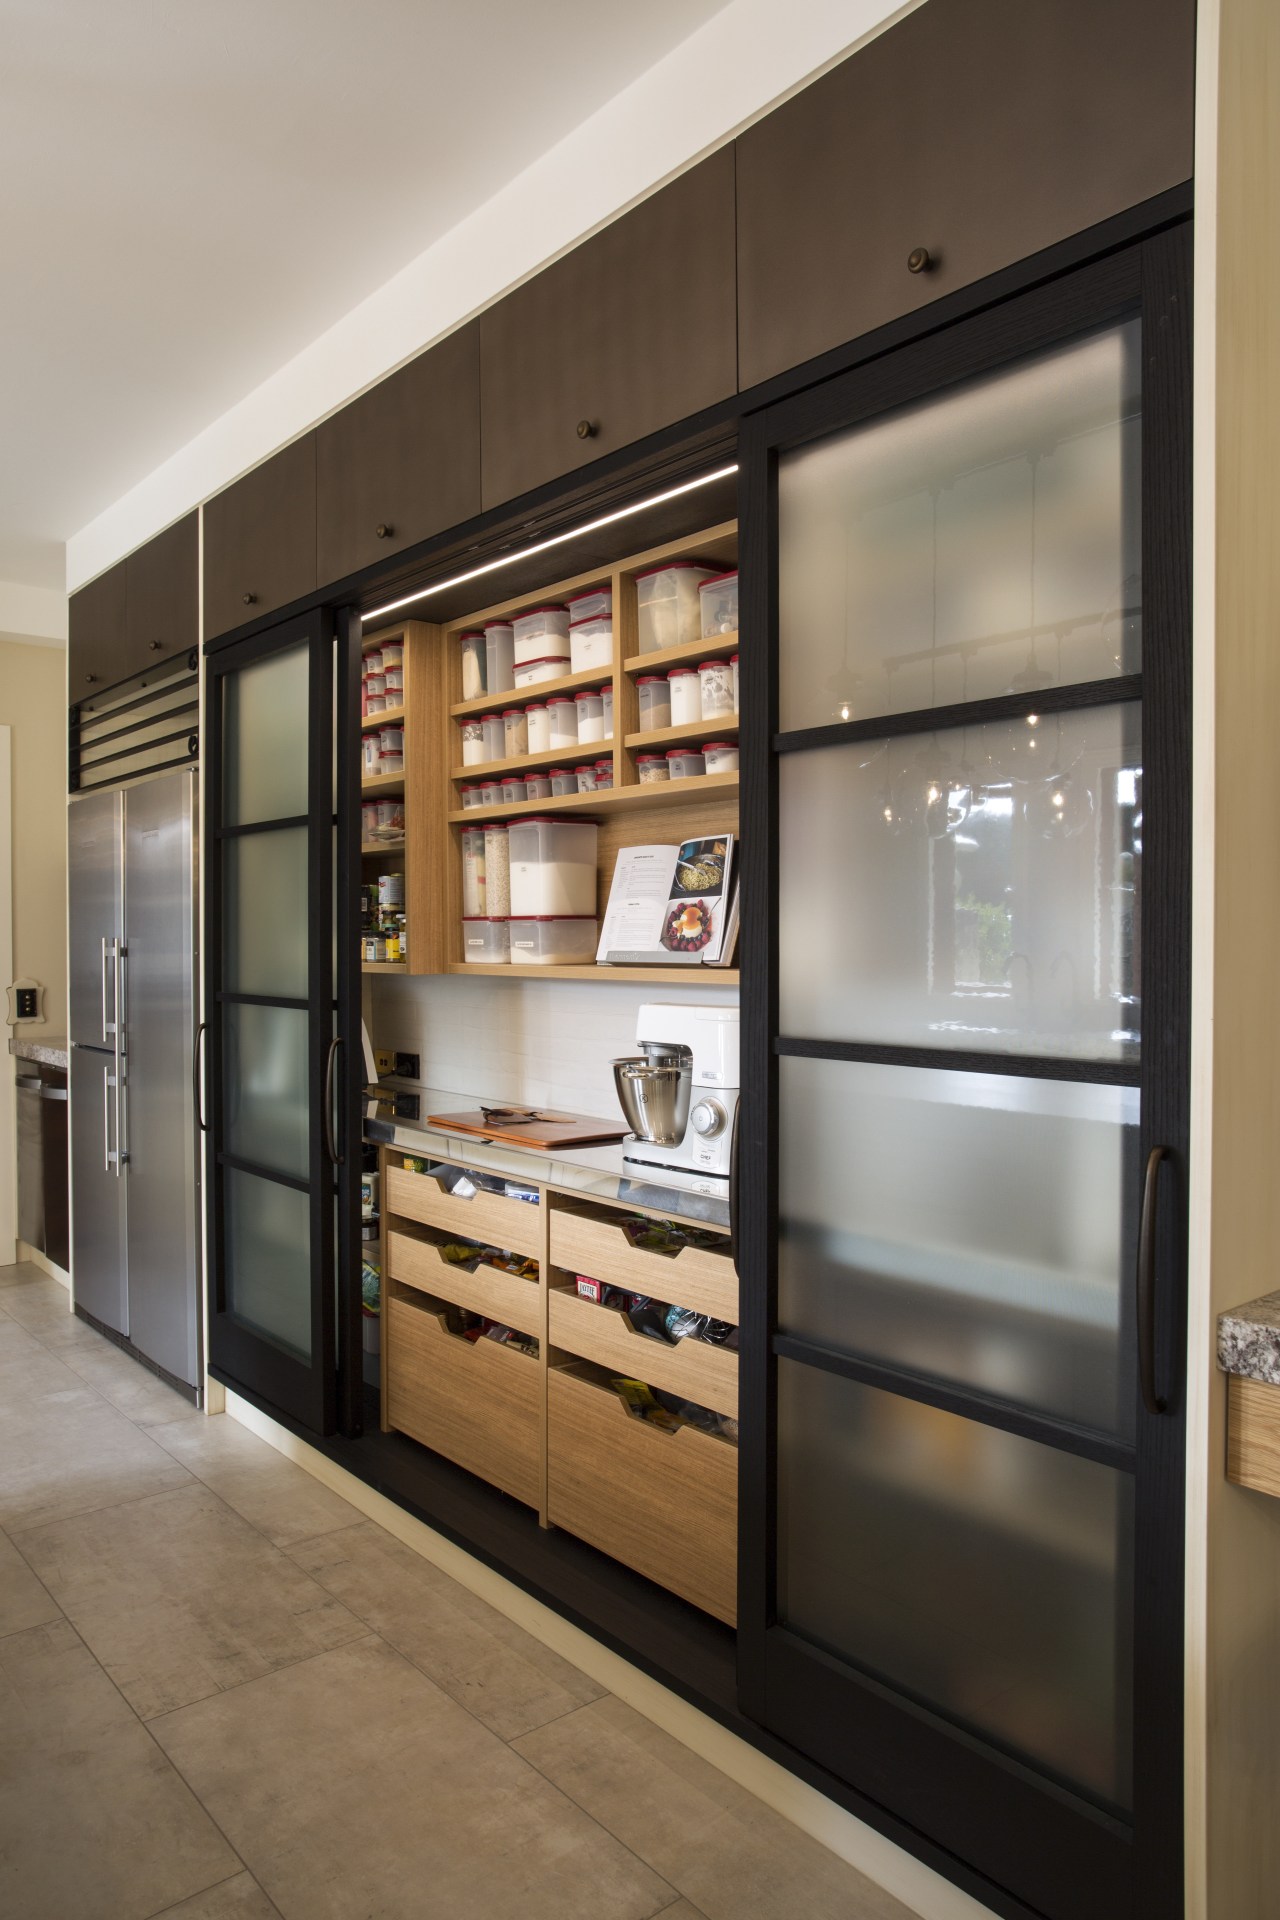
(969,135)
(96,634)
(403,461)
(631,331)
(162,583)
(260,540)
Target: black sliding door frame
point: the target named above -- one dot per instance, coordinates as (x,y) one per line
(1041,1845)
(316,1391)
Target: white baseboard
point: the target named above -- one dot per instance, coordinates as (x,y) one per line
(921,1889)
(38,1259)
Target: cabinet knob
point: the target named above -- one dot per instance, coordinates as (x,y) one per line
(919,260)
(249,599)
(384,529)
(154,645)
(90,678)
(586,429)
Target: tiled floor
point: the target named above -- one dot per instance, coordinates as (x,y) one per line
(224,1695)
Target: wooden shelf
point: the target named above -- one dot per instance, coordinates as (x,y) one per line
(389,717)
(699,730)
(383,783)
(533,762)
(382,846)
(384,966)
(611,800)
(720,648)
(637,976)
(568,683)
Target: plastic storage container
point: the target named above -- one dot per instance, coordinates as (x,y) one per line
(491,793)
(719,603)
(494,735)
(541,634)
(472,797)
(473,753)
(604,774)
(720,756)
(553,866)
(514,790)
(533,672)
(606,696)
(685,763)
(497,869)
(563,780)
(669,614)
(716,689)
(474,666)
(596,605)
(369,820)
(473,900)
(589,708)
(485,942)
(587,781)
(651,767)
(392,654)
(390,819)
(372,756)
(562,940)
(499,657)
(515,732)
(375,703)
(733,667)
(374,683)
(538,786)
(591,643)
(371,662)
(394,677)
(686,695)
(562,722)
(538,722)
(391,742)
(655,702)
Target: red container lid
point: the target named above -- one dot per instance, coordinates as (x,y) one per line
(675,670)
(471,789)
(555,820)
(553,916)
(491,626)
(471,918)
(552,606)
(650,759)
(496,826)
(559,700)
(588,619)
(719,746)
(704,664)
(489,716)
(476,634)
(605,763)
(588,693)
(588,593)
(652,680)
(678,753)
(547,660)
(561,773)
(716,578)
(673,566)
(733,659)
(513,713)
(537,706)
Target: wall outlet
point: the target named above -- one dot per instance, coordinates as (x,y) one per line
(408,1106)
(406,1067)
(24,1002)
(384,1062)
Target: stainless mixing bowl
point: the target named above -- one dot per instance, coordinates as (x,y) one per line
(654,1098)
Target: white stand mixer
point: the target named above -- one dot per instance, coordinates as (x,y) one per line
(680,1093)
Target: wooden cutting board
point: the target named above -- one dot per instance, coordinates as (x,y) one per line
(545,1128)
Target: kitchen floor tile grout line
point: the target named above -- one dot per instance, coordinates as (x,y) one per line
(176,1906)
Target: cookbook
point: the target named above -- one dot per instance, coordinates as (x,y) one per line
(672,906)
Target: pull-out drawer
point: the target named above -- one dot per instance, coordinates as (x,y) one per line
(692,1368)
(589,1241)
(663,1503)
(417,1262)
(489,1218)
(478,1403)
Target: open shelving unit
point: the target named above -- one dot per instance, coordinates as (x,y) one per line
(407,853)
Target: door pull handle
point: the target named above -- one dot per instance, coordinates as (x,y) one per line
(1146,1283)
(330,1142)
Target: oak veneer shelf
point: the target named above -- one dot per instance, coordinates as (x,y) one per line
(688,731)
(719,648)
(533,762)
(384,966)
(611,800)
(382,783)
(390,717)
(523,696)
(626,976)
(381,846)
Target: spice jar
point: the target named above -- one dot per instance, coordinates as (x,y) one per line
(715,678)
(686,696)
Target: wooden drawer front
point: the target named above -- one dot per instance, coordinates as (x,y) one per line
(477,1403)
(260,540)
(632,330)
(489,1218)
(692,1368)
(698,1278)
(663,1503)
(403,457)
(497,1295)
(982,130)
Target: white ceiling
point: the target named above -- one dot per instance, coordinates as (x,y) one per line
(195,189)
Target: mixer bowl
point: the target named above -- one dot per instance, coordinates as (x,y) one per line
(655,1099)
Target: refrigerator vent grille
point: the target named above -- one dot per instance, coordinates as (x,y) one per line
(139,727)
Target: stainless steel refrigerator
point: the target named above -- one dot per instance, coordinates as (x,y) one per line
(135,1214)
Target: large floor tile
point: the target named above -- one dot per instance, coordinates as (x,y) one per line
(180,1598)
(282,1500)
(508,1679)
(44,1308)
(723,1849)
(351,1785)
(138,1393)
(94,1821)
(24,1601)
(242,1899)
(68,1452)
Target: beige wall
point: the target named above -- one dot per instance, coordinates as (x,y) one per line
(33,702)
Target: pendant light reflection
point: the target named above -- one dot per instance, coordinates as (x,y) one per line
(1061,806)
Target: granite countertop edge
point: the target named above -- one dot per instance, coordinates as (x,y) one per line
(1249,1340)
(45,1052)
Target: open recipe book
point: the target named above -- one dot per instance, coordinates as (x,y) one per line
(672,906)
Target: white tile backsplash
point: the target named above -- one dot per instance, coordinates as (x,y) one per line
(541,1042)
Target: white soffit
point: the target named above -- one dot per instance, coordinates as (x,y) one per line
(529,128)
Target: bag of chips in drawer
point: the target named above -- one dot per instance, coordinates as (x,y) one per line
(640,1403)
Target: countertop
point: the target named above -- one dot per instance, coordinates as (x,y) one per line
(595,1172)
(46,1051)
(1249,1340)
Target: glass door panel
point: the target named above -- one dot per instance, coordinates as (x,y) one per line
(983,541)
(266,705)
(266,927)
(268,1261)
(977,887)
(984,1574)
(976,1229)
(266,1064)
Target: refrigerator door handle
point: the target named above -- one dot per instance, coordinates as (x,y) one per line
(121,953)
(104,990)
